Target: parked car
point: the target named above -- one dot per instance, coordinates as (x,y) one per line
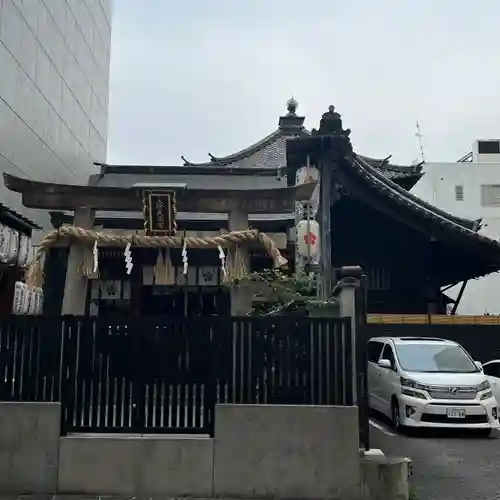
(492,371)
(427,382)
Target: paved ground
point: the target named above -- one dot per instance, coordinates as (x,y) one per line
(446,466)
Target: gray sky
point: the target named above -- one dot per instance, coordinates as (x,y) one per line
(197,76)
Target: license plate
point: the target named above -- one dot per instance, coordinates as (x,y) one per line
(455,413)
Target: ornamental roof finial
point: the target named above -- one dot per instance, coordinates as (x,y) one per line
(291,122)
(331,123)
(291,106)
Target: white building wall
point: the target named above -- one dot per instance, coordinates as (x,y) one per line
(54,82)
(441,185)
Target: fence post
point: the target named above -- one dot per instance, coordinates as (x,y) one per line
(211,337)
(351,296)
(346,296)
(362,357)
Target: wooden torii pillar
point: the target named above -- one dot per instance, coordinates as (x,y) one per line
(241,296)
(75,288)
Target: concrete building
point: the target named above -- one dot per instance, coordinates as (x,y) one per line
(470,188)
(55,61)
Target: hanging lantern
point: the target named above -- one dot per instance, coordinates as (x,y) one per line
(303,176)
(307,238)
(13,246)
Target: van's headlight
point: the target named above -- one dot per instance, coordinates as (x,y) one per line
(484,386)
(406,382)
(486,395)
(413,394)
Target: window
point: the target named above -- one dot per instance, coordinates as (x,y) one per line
(492,369)
(459,193)
(388,353)
(378,279)
(374,350)
(434,357)
(490,195)
(488,147)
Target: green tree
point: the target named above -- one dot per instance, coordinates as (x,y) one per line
(278,292)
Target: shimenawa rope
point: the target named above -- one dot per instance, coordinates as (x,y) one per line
(87,237)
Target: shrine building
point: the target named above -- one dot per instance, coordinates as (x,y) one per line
(409,249)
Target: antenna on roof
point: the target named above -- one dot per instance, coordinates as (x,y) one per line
(420,141)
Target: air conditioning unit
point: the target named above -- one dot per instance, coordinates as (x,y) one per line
(486,151)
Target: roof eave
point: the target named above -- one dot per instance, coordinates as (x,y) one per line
(16,219)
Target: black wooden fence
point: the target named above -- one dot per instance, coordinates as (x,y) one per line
(166,375)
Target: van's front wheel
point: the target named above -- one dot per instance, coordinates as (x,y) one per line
(396,416)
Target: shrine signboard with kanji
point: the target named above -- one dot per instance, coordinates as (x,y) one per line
(159,213)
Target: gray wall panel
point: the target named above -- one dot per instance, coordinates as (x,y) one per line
(54,63)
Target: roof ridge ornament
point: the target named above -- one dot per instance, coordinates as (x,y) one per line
(291,106)
(291,122)
(331,123)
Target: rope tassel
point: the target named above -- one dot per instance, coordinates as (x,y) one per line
(169,269)
(159,269)
(236,266)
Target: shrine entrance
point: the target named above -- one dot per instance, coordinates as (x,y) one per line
(192,302)
(199,293)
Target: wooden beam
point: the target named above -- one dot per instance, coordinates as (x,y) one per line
(459,298)
(434,319)
(51,196)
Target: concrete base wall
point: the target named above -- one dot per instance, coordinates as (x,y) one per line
(180,466)
(306,452)
(287,452)
(29,447)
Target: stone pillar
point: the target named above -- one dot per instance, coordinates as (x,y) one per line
(241,296)
(75,290)
(383,478)
(347,297)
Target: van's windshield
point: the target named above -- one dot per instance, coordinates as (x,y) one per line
(434,357)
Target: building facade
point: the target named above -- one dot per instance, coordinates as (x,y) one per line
(470,188)
(55,60)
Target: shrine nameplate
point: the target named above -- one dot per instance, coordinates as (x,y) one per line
(159,213)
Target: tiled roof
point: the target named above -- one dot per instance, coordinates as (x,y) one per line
(10,213)
(439,224)
(393,191)
(270,152)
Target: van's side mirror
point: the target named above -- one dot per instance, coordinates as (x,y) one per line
(479,365)
(385,363)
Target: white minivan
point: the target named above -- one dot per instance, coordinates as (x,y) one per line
(427,382)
